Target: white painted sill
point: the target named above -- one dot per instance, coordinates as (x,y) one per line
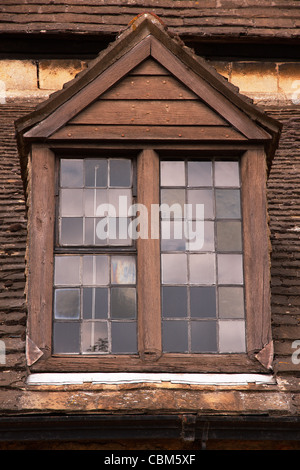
(123,378)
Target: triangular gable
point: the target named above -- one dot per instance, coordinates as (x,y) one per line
(146,39)
(148,103)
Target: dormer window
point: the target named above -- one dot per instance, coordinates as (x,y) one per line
(148,239)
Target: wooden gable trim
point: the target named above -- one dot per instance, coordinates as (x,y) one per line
(149,47)
(209,95)
(91,92)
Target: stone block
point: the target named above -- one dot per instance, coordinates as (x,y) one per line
(255,77)
(53,74)
(289,80)
(18,74)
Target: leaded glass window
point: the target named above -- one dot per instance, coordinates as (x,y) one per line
(95,308)
(201,257)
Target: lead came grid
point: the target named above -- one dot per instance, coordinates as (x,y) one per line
(202,287)
(95,304)
(86,185)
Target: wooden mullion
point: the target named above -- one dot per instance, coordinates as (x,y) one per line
(148,260)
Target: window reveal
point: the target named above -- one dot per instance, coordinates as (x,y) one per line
(202,285)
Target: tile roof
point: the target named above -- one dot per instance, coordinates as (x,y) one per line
(201,18)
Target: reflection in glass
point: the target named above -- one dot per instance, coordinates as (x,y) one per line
(95,303)
(123,302)
(175,336)
(124,337)
(203,336)
(123,270)
(174,301)
(172,235)
(202,268)
(71,173)
(231,302)
(67,270)
(227,174)
(94,337)
(229,236)
(200,173)
(66,304)
(172,173)
(232,336)
(203,302)
(174,268)
(230,269)
(228,204)
(71,231)
(66,337)
(95,173)
(120,173)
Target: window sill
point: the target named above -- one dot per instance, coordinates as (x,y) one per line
(123,378)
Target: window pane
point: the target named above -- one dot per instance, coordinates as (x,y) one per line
(93,198)
(202,268)
(120,173)
(67,270)
(232,336)
(227,174)
(94,337)
(67,304)
(203,302)
(123,270)
(71,202)
(174,301)
(71,231)
(231,302)
(201,196)
(229,236)
(124,337)
(228,204)
(230,269)
(203,336)
(175,336)
(201,235)
(95,270)
(120,200)
(174,269)
(172,173)
(123,302)
(96,173)
(66,337)
(95,303)
(172,235)
(71,173)
(174,199)
(200,173)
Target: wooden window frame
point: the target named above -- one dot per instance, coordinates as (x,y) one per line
(150,358)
